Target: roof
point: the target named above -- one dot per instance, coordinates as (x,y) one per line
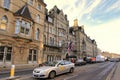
(24,12)
(42,1)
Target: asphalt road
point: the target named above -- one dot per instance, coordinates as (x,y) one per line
(98,71)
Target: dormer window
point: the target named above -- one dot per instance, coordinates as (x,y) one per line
(31,2)
(4,22)
(38,7)
(6,4)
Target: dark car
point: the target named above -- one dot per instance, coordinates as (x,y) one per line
(80,62)
(114,60)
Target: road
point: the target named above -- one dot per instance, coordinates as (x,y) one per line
(98,71)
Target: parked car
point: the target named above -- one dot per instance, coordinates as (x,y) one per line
(80,62)
(100,58)
(51,69)
(114,60)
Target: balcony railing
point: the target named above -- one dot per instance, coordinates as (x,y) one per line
(52,45)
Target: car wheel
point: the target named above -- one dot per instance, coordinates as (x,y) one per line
(52,74)
(71,70)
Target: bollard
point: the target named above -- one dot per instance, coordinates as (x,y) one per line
(12,71)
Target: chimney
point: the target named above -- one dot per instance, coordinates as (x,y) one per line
(75,22)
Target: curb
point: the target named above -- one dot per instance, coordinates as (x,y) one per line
(12,78)
(16,71)
(111,73)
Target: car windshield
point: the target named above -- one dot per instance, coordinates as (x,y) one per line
(48,63)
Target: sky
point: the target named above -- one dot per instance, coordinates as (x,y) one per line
(101,19)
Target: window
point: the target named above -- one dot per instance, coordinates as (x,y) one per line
(31,2)
(32,55)
(27,31)
(5,53)
(50,40)
(23,26)
(45,39)
(38,7)
(38,18)
(17,26)
(6,4)
(37,34)
(60,43)
(4,22)
(50,30)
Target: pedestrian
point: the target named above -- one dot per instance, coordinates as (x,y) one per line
(72,60)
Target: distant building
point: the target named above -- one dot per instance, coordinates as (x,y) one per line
(84,45)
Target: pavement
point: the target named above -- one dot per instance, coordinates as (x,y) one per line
(7,71)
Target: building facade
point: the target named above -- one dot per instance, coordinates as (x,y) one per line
(84,45)
(21,31)
(55,34)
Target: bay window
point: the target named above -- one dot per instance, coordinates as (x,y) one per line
(22,27)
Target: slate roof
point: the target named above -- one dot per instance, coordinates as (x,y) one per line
(24,12)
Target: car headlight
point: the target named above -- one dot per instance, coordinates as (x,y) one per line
(36,71)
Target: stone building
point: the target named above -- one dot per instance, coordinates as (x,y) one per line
(55,34)
(21,32)
(84,45)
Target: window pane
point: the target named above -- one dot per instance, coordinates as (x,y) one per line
(4,23)
(22,30)
(34,57)
(27,31)
(8,57)
(17,26)
(37,34)
(38,7)
(1,52)
(6,4)
(27,28)
(8,54)
(30,55)
(31,2)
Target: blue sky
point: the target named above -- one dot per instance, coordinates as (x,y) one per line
(101,19)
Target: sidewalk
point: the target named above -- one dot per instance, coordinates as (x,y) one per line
(21,67)
(116,74)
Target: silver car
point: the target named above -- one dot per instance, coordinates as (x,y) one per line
(51,69)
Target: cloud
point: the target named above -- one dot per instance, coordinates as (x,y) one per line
(100,18)
(94,4)
(106,35)
(115,6)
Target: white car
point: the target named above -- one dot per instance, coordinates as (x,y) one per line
(51,69)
